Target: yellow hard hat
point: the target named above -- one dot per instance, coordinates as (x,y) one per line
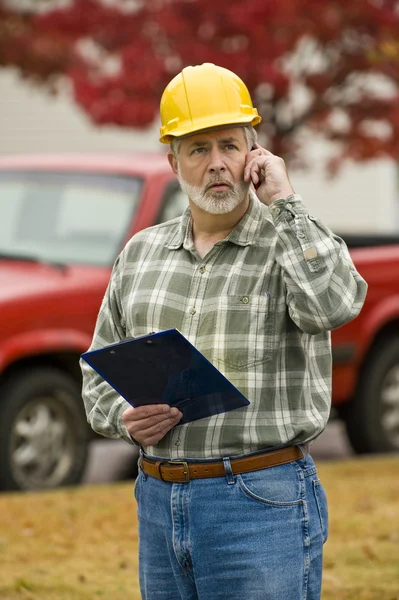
(203,97)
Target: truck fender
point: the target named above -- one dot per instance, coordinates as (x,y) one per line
(386,311)
(33,343)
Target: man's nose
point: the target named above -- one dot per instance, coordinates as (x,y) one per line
(216,163)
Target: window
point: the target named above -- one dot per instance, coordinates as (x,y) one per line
(173,204)
(66,217)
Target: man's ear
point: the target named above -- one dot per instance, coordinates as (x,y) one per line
(172,161)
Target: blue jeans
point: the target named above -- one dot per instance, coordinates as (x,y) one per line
(256,536)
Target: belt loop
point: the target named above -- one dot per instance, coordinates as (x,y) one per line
(229,472)
(305,450)
(140,468)
(158,469)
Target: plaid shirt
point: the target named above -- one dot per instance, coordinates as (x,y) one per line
(260,306)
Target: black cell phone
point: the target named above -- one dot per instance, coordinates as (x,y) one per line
(256,185)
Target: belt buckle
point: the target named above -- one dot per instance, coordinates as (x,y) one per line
(185,472)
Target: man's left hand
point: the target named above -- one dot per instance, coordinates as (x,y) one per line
(268,174)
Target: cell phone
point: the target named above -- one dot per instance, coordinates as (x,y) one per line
(256,185)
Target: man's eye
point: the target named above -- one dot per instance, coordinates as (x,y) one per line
(231,147)
(198,150)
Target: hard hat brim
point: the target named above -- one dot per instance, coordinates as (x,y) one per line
(242,122)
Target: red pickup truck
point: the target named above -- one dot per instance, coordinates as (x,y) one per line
(63,220)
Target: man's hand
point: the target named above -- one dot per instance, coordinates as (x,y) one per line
(149,424)
(268,174)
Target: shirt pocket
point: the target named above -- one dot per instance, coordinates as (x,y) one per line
(244,330)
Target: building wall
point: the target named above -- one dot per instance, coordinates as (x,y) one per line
(362,198)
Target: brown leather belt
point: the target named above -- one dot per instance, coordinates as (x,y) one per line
(182,471)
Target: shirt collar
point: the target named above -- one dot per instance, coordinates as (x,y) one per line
(245,233)
(182,232)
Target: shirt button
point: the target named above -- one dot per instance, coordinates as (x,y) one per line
(278,211)
(177,443)
(245,300)
(202,270)
(289,205)
(301,235)
(192,311)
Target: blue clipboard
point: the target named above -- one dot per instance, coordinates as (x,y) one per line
(165,368)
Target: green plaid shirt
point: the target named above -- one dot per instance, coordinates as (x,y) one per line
(260,306)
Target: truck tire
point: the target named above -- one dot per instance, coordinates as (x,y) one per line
(372,417)
(44,434)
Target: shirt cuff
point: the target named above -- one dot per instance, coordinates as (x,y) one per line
(122,429)
(287,208)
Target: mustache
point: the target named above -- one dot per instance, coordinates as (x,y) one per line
(218,181)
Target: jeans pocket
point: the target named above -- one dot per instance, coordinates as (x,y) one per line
(322,507)
(278,486)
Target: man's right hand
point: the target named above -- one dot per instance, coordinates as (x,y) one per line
(149,424)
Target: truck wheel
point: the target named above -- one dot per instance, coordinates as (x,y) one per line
(43,431)
(372,417)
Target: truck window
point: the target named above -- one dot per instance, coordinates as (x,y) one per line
(173,204)
(79,218)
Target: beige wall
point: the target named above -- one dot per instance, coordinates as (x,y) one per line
(362,198)
(32,121)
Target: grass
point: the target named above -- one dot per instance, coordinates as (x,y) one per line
(81,543)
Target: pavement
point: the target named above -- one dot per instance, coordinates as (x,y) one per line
(112,460)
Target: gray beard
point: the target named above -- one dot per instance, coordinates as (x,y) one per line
(215,203)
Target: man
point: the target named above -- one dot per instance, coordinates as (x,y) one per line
(230,507)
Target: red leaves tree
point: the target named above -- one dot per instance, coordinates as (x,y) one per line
(330,67)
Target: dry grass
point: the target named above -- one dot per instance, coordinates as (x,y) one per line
(81,543)
(362,553)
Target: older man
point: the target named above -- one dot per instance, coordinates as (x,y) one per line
(230,506)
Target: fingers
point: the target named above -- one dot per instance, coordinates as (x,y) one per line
(157,429)
(149,424)
(256,163)
(264,151)
(254,167)
(146,411)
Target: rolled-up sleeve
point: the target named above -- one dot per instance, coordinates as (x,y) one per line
(324,289)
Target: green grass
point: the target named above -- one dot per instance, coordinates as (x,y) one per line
(81,543)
